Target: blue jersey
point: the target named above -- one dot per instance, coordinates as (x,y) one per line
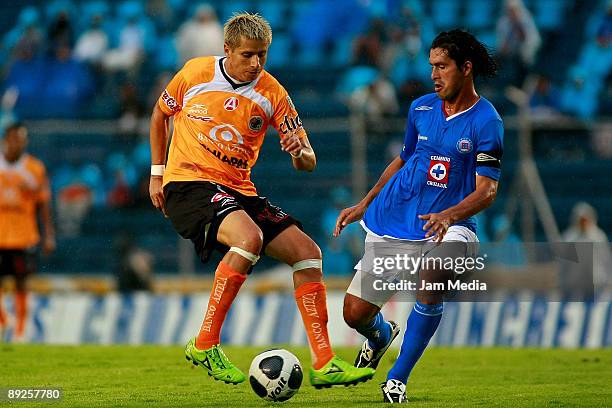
(443,155)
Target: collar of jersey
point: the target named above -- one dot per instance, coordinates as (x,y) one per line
(454,115)
(232,81)
(4,164)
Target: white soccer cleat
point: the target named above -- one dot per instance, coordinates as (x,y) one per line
(394,392)
(369,357)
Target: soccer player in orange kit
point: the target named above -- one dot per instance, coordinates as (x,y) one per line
(222,107)
(24,195)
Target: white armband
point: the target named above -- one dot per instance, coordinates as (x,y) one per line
(158,169)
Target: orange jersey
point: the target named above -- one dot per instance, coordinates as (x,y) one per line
(23,185)
(219,126)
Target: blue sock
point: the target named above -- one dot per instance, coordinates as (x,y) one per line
(378,331)
(422,324)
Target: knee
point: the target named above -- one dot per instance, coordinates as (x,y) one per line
(251,241)
(309,250)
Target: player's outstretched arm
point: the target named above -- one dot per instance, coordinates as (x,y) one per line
(158,137)
(355,213)
(302,154)
(438,223)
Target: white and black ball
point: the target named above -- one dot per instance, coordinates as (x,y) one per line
(275,375)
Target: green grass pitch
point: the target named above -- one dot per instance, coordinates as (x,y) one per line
(139,376)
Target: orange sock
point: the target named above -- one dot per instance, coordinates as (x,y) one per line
(225,288)
(312,303)
(21,311)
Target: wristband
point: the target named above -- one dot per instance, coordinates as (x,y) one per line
(299,154)
(157,169)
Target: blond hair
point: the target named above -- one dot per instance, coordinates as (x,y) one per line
(247,25)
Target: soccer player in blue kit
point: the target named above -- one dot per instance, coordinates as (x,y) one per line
(447,172)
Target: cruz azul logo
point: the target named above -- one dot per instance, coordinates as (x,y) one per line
(464,145)
(439,167)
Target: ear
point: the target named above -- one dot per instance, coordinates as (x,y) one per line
(467,68)
(226,49)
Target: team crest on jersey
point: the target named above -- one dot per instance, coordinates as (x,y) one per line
(231,103)
(464,145)
(256,123)
(437,175)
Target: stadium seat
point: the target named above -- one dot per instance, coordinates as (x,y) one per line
(275,11)
(227,8)
(445,14)
(480,14)
(279,53)
(343,52)
(548,14)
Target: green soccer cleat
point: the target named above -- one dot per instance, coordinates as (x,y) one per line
(339,372)
(215,362)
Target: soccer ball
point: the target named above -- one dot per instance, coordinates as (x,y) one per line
(275,375)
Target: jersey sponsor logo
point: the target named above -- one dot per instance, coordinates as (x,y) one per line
(231,148)
(421,137)
(256,123)
(226,132)
(231,103)
(464,145)
(200,118)
(198,109)
(170,101)
(437,175)
(423,108)
(290,124)
(231,160)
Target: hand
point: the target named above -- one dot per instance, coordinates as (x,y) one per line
(291,144)
(157,194)
(437,225)
(347,216)
(48,244)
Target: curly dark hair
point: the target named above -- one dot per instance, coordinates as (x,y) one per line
(462,46)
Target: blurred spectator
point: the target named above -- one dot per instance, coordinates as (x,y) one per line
(368,47)
(25,40)
(131,111)
(24,79)
(200,36)
(7,105)
(93,43)
(128,55)
(135,271)
(604,31)
(68,85)
(518,40)
(60,33)
(602,140)
(73,204)
(545,99)
(583,228)
(119,195)
(377,101)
